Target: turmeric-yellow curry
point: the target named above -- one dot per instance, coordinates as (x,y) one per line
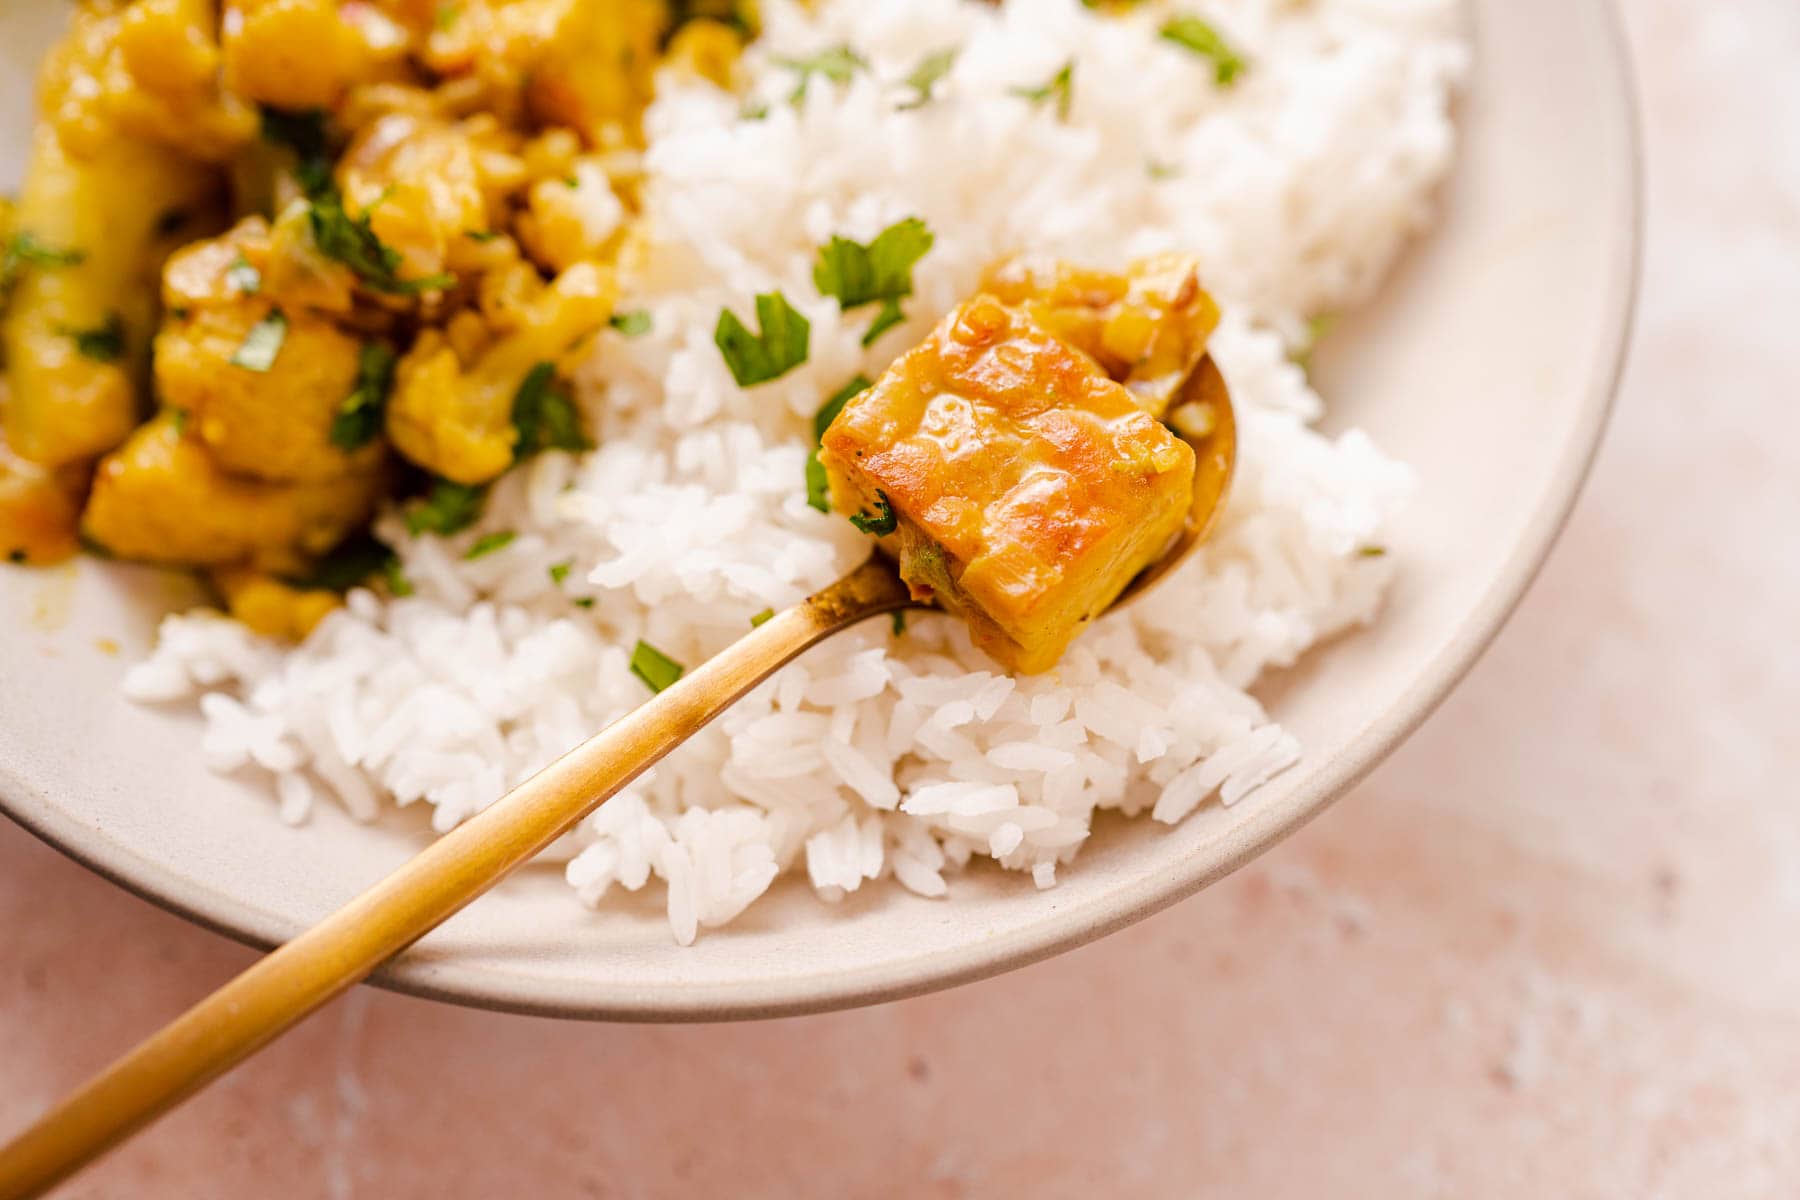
(277,262)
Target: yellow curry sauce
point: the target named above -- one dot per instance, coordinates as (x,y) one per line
(369,224)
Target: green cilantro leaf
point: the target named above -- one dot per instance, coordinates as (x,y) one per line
(27,249)
(308,134)
(778,349)
(837,64)
(880,525)
(1317,330)
(448,508)
(352,241)
(360,416)
(487,543)
(656,669)
(1060,89)
(635,323)
(398,584)
(818,484)
(1198,37)
(882,270)
(262,345)
(351,564)
(899,619)
(559,572)
(545,416)
(926,76)
(889,316)
(104,343)
(762,618)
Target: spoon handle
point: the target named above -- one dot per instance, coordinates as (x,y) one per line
(300,976)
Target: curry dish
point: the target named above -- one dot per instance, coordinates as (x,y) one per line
(275,262)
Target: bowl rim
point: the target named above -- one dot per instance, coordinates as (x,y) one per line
(1224,852)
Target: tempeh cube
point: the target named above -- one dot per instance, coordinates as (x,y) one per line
(1016,484)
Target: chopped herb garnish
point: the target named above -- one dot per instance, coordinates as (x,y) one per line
(1060,89)
(307,134)
(931,69)
(244,277)
(1159,170)
(818,485)
(448,508)
(397,582)
(1197,36)
(656,669)
(880,525)
(899,618)
(559,572)
(583,602)
(762,618)
(1371,552)
(779,348)
(446,16)
(262,345)
(352,241)
(26,249)
(890,315)
(882,270)
(634,323)
(545,416)
(178,417)
(360,415)
(1317,330)
(487,543)
(753,110)
(181,312)
(481,235)
(351,564)
(837,64)
(104,343)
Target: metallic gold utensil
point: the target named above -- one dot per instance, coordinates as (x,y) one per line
(292,981)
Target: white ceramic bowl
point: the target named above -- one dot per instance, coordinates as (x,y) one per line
(1489,363)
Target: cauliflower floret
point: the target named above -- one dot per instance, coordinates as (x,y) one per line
(587,64)
(161,498)
(40,508)
(571,219)
(149,69)
(453,413)
(419,182)
(304,54)
(273,424)
(707,48)
(272,607)
(90,238)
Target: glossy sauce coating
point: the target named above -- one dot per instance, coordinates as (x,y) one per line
(1027,485)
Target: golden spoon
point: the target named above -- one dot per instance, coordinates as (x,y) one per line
(298,977)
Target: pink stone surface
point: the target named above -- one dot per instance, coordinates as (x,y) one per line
(1552,948)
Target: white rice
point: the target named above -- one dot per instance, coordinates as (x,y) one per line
(878,756)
